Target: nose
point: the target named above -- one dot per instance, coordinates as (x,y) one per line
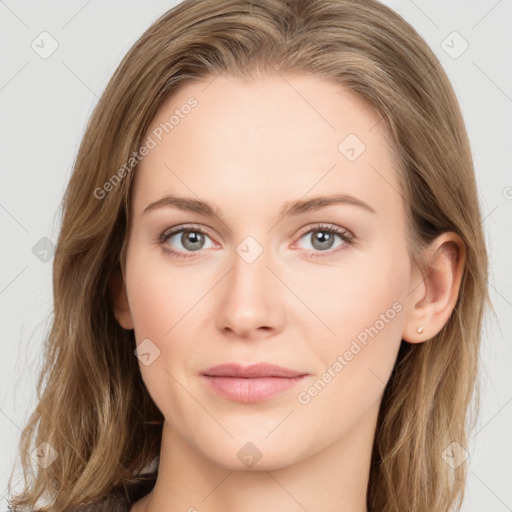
(251,300)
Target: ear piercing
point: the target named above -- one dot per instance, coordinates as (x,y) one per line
(420,329)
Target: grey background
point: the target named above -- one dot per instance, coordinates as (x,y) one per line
(45,103)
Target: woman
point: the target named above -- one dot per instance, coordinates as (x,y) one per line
(320,350)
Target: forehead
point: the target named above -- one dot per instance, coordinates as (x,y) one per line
(276,138)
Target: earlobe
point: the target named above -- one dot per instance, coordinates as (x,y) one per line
(120,305)
(433,299)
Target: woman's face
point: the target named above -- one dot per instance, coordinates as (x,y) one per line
(322,290)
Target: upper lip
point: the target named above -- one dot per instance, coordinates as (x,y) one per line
(252,371)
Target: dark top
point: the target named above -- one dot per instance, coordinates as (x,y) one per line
(121,501)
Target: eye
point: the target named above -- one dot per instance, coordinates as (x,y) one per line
(190,238)
(323,237)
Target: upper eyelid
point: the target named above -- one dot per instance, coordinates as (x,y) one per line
(185,227)
(339,230)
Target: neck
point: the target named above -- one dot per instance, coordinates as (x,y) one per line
(332,480)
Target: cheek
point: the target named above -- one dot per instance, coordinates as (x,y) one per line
(159,295)
(355,294)
(159,314)
(159,303)
(358,362)
(367,313)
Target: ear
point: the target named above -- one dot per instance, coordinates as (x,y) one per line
(120,303)
(433,295)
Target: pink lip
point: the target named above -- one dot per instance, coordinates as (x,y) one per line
(252,383)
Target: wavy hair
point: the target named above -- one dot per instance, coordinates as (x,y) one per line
(93,409)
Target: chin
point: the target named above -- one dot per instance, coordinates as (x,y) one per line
(252,453)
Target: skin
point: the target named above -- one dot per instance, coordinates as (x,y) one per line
(249,148)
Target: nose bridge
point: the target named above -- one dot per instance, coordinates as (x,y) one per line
(249,281)
(251,299)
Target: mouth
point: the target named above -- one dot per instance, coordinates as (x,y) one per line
(250,384)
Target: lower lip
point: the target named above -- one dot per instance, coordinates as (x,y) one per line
(249,391)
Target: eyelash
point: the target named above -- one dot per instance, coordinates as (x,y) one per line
(345,235)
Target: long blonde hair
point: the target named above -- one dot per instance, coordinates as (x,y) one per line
(93,408)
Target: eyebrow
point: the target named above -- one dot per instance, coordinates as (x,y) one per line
(289,208)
